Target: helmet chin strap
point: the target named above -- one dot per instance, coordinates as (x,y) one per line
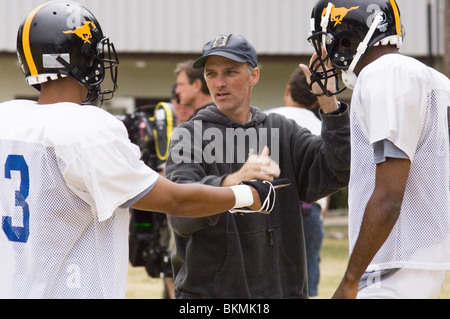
(348,76)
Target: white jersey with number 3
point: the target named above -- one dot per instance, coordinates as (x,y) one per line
(65,170)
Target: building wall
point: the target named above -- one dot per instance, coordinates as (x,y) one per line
(182,26)
(152,36)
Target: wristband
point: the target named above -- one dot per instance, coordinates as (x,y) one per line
(243,195)
(342,107)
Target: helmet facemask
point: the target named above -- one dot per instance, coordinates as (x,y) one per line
(320,73)
(321,42)
(105,60)
(110,62)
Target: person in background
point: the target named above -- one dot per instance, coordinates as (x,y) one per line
(298,105)
(182,112)
(191,87)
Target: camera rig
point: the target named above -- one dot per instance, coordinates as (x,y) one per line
(150,128)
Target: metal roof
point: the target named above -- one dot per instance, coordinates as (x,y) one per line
(274,27)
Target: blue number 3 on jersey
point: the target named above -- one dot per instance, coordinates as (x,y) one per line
(15,233)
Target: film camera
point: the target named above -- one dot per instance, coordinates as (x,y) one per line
(150,128)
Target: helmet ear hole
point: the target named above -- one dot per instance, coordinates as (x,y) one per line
(346,43)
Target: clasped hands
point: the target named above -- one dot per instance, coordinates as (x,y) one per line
(261,173)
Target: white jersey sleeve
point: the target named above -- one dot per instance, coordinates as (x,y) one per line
(107,172)
(396,100)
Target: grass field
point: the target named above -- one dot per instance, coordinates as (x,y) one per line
(333,264)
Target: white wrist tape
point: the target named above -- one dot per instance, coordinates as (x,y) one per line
(243,195)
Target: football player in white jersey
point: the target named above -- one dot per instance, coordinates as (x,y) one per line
(399,223)
(69,173)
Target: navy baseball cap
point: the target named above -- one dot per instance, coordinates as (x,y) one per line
(231,46)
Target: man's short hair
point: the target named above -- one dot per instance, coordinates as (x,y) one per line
(192,74)
(300,90)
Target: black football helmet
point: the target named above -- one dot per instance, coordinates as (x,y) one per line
(347,29)
(62,38)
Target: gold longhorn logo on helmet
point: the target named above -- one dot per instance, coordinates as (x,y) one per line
(83,32)
(338,14)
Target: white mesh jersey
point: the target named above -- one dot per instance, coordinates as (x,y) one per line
(65,170)
(400,99)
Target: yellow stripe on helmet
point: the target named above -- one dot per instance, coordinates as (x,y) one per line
(398,25)
(26,40)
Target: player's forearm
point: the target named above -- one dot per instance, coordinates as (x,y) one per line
(194,200)
(379,219)
(199,200)
(381,214)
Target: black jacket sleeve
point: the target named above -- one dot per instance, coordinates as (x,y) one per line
(322,165)
(184,165)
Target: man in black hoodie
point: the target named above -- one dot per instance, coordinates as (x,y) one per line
(253,255)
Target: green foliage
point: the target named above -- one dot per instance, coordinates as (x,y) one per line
(339,199)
